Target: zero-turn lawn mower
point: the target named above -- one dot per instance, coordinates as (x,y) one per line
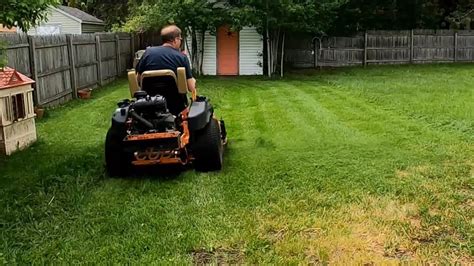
(159,126)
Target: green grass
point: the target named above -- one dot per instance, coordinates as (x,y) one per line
(353,165)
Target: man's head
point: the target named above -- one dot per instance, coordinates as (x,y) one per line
(171,35)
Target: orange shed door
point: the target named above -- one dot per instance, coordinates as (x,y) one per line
(227,51)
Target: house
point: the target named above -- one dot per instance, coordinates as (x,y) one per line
(230,53)
(68,20)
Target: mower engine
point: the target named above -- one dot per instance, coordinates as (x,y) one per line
(153,134)
(150,114)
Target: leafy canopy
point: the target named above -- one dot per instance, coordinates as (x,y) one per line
(154,14)
(24,13)
(3,55)
(309,16)
(113,13)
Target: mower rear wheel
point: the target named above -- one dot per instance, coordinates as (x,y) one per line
(117,161)
(207,148)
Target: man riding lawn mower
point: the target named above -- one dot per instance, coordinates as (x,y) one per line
(160,127)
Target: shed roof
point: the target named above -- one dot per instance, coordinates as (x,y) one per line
(81,15)
(10,78)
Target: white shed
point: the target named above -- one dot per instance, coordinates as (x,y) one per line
(232,53)
(68,20)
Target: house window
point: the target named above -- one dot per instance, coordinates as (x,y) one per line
(49,29)
(18,106)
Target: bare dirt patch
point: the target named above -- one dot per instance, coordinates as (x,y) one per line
(362,233)
(412,171)
(218,256)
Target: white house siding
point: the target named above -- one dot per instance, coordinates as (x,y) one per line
(210,58)
(66,24)
(209,64)
(250,52)
(92,28)
(187,48)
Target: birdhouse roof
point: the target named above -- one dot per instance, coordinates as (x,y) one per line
(10,78)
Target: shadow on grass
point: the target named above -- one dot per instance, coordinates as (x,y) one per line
(158,172)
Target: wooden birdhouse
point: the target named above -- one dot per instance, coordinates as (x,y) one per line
(17,117)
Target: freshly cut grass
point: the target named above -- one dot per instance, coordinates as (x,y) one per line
(370,165)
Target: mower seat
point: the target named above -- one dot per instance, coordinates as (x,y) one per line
(169,85)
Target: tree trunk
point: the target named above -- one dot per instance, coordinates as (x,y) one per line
(275,51)
(274,44)
(203,37)
(186,44)
(282,55)
(269,55)
(269,48)
(194,52)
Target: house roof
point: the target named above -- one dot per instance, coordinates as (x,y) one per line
(81,15)
(10,78)
(5,29)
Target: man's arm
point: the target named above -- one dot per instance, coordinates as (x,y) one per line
(191,84)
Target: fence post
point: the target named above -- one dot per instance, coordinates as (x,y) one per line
(34,69)
(132,48)
(455,46)
(99,60)
(72,63)
(365,48)
(412,49)
(117,50)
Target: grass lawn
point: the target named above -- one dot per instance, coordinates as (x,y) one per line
(352,165)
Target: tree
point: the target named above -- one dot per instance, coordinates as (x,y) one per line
(3,56)
(24,13)
(113,13)
(275,18)
(462,16)
(358,15)
(195,17)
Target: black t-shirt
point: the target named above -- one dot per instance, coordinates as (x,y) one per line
(163,57)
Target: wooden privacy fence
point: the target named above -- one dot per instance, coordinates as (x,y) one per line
(384,47)
(63,64)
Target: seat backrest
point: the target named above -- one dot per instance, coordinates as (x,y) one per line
(133,82)
(180,79)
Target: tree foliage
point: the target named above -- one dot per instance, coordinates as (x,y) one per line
(291,15)
(113,13)
(276,18)
(3,55)
(463,15)
(154,14)
(24,13)
(358,15)
(195,17)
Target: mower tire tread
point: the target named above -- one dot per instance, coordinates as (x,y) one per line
(207,148)
(117,162)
